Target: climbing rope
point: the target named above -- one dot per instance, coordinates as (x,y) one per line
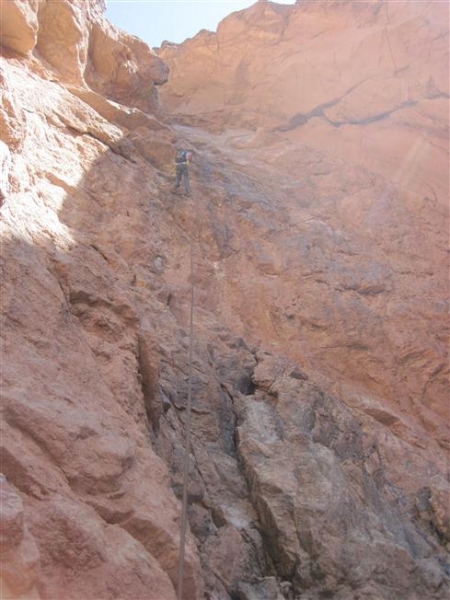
(188,436)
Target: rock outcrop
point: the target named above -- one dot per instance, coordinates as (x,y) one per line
(77,45)
(320,433)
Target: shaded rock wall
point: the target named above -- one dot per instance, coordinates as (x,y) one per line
(318,459)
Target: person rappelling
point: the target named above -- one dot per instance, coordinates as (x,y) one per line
(182,160)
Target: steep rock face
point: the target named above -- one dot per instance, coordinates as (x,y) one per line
(355,242)
(367,81)
(98,518)
(319,426)
(317,477)
(19,25)
(82,48)
(335,93)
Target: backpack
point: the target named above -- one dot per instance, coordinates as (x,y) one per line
(181,156)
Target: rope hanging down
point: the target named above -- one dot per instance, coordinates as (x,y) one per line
(188,438)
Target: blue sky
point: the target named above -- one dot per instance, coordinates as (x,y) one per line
(173,20)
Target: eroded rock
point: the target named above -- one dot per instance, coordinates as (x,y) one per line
(20,558)
(319,380)
(19,25)
(305,459)
(11,522)
(346,101)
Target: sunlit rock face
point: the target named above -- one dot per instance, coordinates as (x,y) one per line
(364,81)
(318,459)
(78,46)
(350,121)
(19,25)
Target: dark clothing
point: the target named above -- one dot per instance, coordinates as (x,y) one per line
(183,173)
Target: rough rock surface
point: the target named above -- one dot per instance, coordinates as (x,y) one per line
(367,81)
(319,455)
(73,40)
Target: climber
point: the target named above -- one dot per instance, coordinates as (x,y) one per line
(182,160)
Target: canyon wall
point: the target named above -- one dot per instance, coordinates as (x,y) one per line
(363,81)
(318,231)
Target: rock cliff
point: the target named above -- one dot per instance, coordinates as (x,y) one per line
(365,81)
(318,231)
